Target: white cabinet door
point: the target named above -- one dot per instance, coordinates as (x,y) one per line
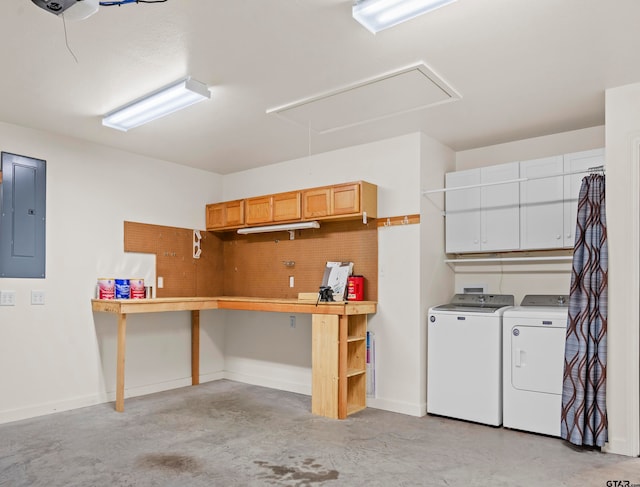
(463,212)
(577,161)
(500,212)
(541,203)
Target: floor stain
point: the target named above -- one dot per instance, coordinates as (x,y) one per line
(176,463)
(307,473)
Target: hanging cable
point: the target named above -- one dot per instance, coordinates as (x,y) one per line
(124,2)
(66,39)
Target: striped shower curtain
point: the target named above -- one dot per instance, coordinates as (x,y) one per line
(584,415)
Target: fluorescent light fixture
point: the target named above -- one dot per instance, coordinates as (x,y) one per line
(289,227)
(157,104)
(377,15)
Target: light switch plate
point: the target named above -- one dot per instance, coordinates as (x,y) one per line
(7,298)
(37,297)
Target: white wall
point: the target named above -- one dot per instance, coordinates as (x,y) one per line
(534,148)
(437,278)
(61,355)
(623,228)
(395,166)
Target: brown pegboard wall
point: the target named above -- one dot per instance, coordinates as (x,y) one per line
(259,265)
(256,265)
(183,275)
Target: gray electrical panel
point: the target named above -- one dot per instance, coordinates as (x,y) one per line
(22,216)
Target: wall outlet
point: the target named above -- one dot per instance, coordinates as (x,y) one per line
(291,281)
(292,321)
(7,298)
(37,297)
(160,282)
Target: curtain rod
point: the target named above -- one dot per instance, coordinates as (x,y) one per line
(599,169)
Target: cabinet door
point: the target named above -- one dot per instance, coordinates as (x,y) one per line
(316,202)
(541,205)
(463,212)
(577,161)
(215,216)
(345,199)
(500,208)
(286,206)
(259,210)
(234,213)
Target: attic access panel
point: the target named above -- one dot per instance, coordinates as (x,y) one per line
(408,89)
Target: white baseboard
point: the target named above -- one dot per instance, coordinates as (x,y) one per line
(621,447)
(10,415)
(411,409)
(269,382)
(211,377)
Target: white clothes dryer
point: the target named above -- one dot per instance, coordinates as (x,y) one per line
(533,363)
(464,358)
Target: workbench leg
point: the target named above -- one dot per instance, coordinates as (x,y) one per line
(343,335)
(195,347)
(122,338)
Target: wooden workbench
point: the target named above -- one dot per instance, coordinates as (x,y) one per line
(338,342)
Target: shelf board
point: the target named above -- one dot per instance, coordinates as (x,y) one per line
(356,339)
(355,372)
(499,260)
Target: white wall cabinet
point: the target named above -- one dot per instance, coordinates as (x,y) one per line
(542,203)
(486,218)
(539,213)
(577,161)
(548,206)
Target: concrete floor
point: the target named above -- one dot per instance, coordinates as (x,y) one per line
(231,434)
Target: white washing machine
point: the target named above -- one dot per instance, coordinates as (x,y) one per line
(533,353)
(464,358)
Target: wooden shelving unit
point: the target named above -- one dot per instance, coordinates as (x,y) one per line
(339,365)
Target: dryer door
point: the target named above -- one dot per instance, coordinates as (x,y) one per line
(537,358)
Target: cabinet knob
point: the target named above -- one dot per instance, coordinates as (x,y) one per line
(568,235)
(558,237)
(484,241)
(475,241)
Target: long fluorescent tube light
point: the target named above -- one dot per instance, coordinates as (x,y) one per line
(276,228)
(377,15)
(167,100)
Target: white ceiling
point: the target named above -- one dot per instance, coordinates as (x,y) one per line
(523,68)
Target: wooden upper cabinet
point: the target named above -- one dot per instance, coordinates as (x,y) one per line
(259,210)
(215,215)
(287,206)
(234,213)
(273,208)
(229,214)
(316,203)
(343,200)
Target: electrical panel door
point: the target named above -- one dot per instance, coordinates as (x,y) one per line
(22,217)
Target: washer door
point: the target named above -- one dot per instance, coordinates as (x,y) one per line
(537,358)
